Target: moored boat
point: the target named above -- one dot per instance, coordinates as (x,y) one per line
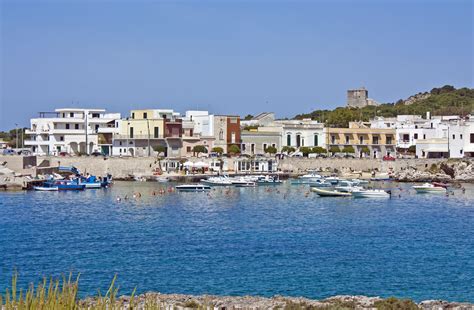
(370,193)
(329,192)
(429,188)
(46,188)
(217,181)
(192,188)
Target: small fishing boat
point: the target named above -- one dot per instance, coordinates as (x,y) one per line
(91,182)
(246,184)
(320,183)
(370,193)
(46,188)
(329,192)
(429,188)
(67,185)
(193,188)
(332,180)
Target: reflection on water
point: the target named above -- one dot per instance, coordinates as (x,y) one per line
(266,241)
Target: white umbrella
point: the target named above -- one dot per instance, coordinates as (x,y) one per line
(201,164)
(188,164)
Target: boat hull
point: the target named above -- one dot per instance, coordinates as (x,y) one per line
(370,194)
(329,193)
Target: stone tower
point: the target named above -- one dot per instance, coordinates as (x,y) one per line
(357,98)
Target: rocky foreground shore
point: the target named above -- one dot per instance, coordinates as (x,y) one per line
(181,302)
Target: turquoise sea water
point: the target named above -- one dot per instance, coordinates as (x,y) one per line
(259,241)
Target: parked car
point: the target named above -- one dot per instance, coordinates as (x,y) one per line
(388,158)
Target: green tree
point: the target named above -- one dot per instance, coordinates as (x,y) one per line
(334,149)
(160,149)
(197,149)
(319,150)
(306,150)
(412,149)
(218,150)
(234,149)
(288,149)
(248,117)
(348,149)
(271,150)
(365,149)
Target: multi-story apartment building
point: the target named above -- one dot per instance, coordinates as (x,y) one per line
(74,131)
(145,129)
(362,137)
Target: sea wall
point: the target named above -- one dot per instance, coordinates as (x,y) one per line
(299,165)
(127,166)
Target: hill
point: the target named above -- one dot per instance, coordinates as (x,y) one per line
(446,100)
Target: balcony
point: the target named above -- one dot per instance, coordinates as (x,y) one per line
(137,137)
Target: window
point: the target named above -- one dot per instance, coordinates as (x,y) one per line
(288,140)
(460,136)
(71,114)
(298,140)
(315,140)
(415,136)
(96,127)
(221,134)
(264,147)
(61,138)
(120,143)
(145,115)
(95,115)
(64,115)
(252,148)
(431,125)
(375,140)
(273,144)
(333,139)
(233,120)
(232,137)
(454,137)
(76,126)
(131,132)
(472,138)
(389,140)
(156,132)
(424,136)
(361,140)
(243,147)
(347,139)
(460,152)
(67,126)
(133,115)
(188,149)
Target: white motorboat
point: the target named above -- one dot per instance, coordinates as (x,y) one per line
(246,184)
(429,188)
(330,192)
(370,193)
(269,180)
(217,181)
(359,181)
(311,175)
(46,188)
(162,179)
(192,188)
(348,188)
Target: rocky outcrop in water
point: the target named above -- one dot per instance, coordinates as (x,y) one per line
(181,302)
(447,171)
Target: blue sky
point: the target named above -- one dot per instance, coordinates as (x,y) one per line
(234,57)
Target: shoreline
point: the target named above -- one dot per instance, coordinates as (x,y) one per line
(181,301)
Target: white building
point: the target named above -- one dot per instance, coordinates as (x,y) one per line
(203,122)
(455,140)
(74,131)
(298,133)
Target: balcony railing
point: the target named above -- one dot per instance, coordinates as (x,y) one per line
(137,137)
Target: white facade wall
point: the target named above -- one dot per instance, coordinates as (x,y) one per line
(203,122)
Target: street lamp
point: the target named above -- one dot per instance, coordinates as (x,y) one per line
(16,135)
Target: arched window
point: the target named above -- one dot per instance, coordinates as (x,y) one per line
(298,140)
(221,134)
(315,140)
(288,139)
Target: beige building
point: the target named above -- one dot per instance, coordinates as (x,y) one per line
(378,141)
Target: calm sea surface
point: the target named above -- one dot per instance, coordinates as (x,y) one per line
(258,241)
